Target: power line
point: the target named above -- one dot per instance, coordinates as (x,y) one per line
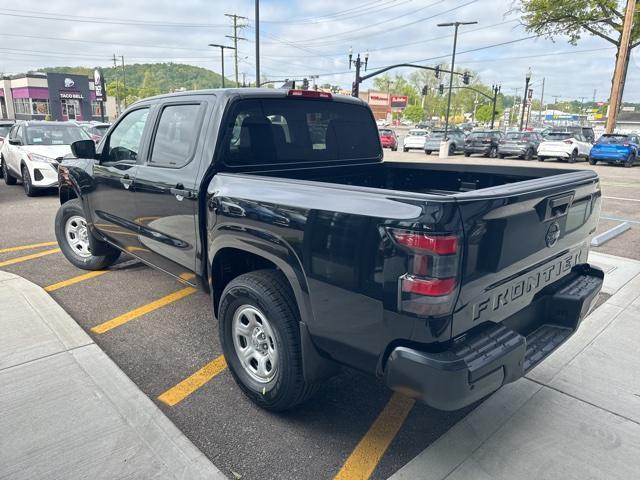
(235,39)
(348,13)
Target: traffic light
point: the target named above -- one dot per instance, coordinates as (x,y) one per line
(354,89)
(305,84)
(437,71)
(441,89)
(425,91)
(465,78)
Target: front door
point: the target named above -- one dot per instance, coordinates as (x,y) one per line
(166,191)
(71,111)
(112,197)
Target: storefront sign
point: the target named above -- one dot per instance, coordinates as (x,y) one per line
(98,82)
(399,101)
(378,98)
(71,95)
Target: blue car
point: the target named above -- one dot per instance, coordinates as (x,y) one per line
(616,148)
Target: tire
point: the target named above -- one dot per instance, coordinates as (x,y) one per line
(630,161)
(29,189)
(452,149)
(79,255)
(541,159)
(8,178)
(592,161)
(467,154)
(394,149)
(265,301)
(573,157)
(427,152)
(493,152)
(529,154)
(405,150)
(501,156)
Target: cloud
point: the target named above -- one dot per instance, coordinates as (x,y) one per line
(300,39)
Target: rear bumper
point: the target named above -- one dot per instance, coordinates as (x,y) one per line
(610,156)
(484,149)
(512,150)
(553,153)
(480,362)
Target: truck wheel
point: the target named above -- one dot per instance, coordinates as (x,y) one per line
(73,238)
(26,182)
(8,178)
(260,336)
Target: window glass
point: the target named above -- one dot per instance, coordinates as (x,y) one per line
(4,130)
(176,137)
(124,141)
(52,134)
(292,130)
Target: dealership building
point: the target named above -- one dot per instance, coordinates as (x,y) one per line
(48,96)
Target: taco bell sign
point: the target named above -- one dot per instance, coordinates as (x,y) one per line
(98,82)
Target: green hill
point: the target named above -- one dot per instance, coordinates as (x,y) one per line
(146,79)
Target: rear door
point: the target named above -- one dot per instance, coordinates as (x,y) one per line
(519,238)
(114,175)
(166,195)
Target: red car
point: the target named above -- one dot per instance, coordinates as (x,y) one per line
(388,138)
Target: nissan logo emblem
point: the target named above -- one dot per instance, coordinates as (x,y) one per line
(553,234)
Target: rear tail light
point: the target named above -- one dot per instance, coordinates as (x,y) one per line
(568,142)
(624,144)
(429,287)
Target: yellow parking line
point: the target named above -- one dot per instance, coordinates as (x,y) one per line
(28,257)
(192,383)
(27,247)
(74,280)
(367,454)
(138,312)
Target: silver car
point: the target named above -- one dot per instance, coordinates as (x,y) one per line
(432,143)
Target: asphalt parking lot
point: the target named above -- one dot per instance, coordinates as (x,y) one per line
(162,335)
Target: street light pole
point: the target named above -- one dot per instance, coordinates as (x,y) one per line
(453,63)
(355,88)
(496,90)
(222,47)
(257,15)
(524,97)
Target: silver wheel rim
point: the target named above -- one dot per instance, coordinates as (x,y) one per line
(255,343)
(77,235)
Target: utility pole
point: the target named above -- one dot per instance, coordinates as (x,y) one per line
(456,25)
(257,15)
(541,103)
(621,67)
(235,39)
(524,97)
(124,82)
(115,70)
(496,90)
(244,78)
(222,47)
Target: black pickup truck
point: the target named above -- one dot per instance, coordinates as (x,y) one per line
(445,280)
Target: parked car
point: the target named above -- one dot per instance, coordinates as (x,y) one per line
(435,138)
(485,142)
(520,144)
(616,148)
(382,123)
(95,130)
(586,132)
(564,146)
(414,140)
(394,268)
(388,138)
(5,126)
(33,151)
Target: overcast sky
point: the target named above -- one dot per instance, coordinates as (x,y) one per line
(300,39)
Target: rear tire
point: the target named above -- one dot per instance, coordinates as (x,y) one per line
(573,157)
(541,159)
(630,161)
(529,154)
(467,154)
(452,149)
(493,152)
(592,161)
(258,322)
(427,152)
(72,235)
(501,156)
(405,150)
(8,178)
(29,190)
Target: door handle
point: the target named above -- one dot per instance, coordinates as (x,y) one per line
(126,181)
(557,206)
(181,193)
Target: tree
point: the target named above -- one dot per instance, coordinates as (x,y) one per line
(415,113)
(574,18)
(483,113)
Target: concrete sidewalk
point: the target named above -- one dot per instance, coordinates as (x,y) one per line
(67,411)
(574,416)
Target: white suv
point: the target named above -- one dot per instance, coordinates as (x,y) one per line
(33,151)
(564,146)
(414,140)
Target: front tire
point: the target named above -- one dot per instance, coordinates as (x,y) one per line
(467,154)
(260,335)
(29,190)
(73,238)
(452,149)
(630,161)
(427,152)
(529,154)
(592,161)
(8,178)
(405,150)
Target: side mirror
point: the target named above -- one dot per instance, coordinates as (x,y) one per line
(15,141)
(84,149)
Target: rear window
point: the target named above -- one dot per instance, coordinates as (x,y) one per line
(482,134)
(52,134)
(417,133)
(559,135)
(292,131)
(437,134)
(517,136)
(614,139)
(385,132)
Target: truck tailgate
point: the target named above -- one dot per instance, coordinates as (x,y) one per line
(520,238)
